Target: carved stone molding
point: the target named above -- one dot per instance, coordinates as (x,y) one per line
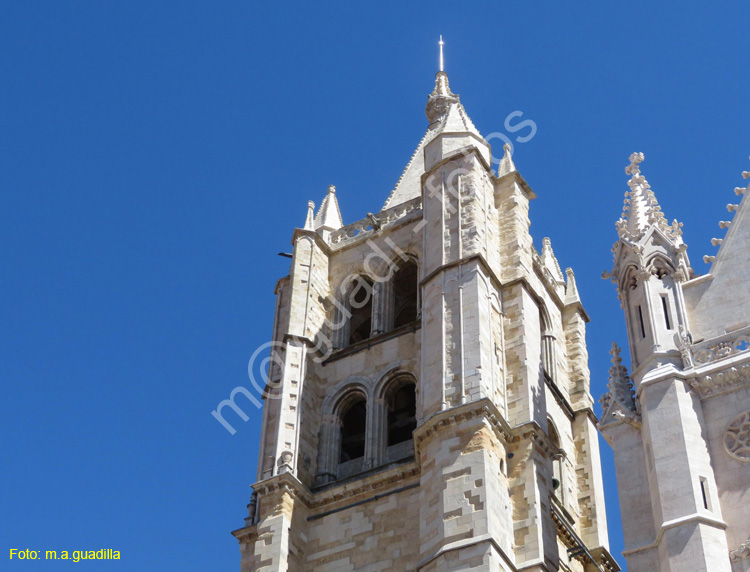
(742,552)
(722,346)
(708,385)
(376,483)
(482,407)
(373,223)
(737,437)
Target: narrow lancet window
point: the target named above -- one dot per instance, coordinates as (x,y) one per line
(704,493)
(353,428)
(640,323)
(665,306)
(548,347)
(402,414)
(405,295)
(360,305)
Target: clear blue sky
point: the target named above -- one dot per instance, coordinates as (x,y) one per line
(155,156)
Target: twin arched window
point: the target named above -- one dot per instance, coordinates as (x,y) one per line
(356,438)
(372,307)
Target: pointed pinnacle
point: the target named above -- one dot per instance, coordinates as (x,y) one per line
(506,163)
(310,219)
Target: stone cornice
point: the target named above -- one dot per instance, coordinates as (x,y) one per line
(518,178)
(726,380)
(319,242)
(577,306)
(689,519)
(532,431)
(529,431)
(477,257)
(366,344)
(456,415)
(707,381)
(467,543)
(588,412)
(463,152)
(376,483)
(246,533)
(285,482)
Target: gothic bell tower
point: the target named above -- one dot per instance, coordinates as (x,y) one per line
(428,405)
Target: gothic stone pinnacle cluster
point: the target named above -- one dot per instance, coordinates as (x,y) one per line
(680,423)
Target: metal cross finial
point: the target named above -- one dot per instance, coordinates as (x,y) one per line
(441,43)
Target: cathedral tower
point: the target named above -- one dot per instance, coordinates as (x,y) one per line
(428,404)
(680,423)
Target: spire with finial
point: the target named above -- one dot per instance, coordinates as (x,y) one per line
(441,43)
(549,260)
(329,216)
(441,97)
(310,218)
(446,115)
(620,385)
(641,209)
(571,289)
(506,163)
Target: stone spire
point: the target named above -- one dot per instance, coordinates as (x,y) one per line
(329,215)
(641,209)
(506,163)
(310,219)
(571,290)
(440,99)
(446,115)
(550,261)
(620,389)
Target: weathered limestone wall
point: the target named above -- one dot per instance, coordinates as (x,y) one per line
(374,536)
(465,511)
(734,498)
(721,303)
(523,357)
(588,495)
